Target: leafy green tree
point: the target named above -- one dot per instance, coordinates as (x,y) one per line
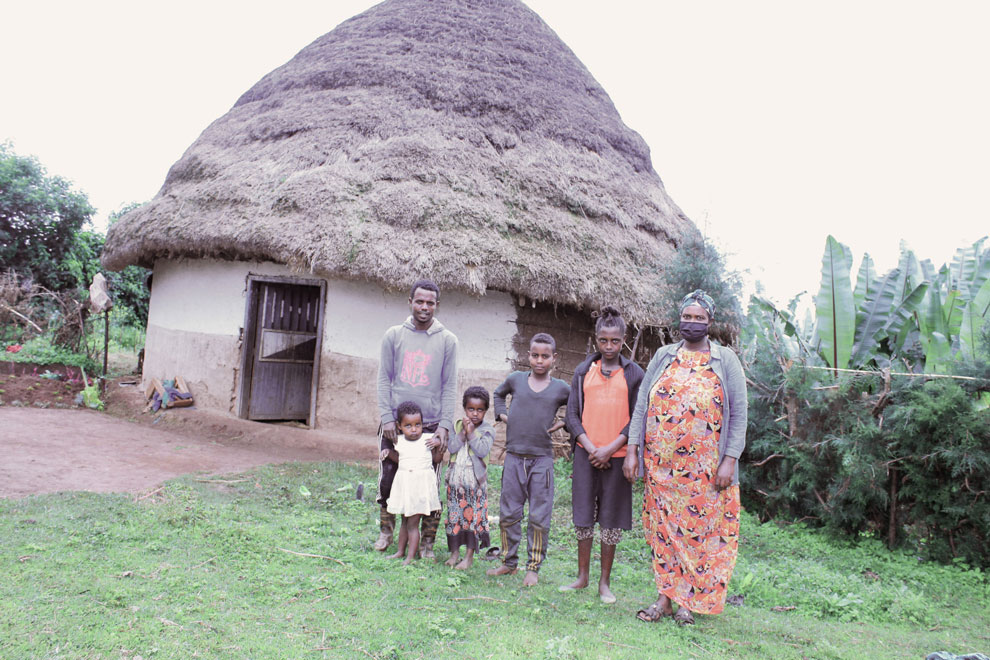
(128,288)
(39,218)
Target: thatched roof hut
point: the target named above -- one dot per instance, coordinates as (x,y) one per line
(460,139)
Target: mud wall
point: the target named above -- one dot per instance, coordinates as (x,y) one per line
(195,329)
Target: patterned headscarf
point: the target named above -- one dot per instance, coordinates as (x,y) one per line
(700,298)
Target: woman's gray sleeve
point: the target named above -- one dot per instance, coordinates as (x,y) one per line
(735,392)
(637,422)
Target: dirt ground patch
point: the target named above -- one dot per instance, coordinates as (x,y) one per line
(49,450)
(46,385)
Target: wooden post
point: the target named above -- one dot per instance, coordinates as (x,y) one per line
(632,353)
(106,348)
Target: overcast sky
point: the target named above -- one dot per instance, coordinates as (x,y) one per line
(772,124)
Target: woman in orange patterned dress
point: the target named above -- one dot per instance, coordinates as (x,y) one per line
(686,435)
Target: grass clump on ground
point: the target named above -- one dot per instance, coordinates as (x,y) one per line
(219,568)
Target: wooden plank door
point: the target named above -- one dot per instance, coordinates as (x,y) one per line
(287,323)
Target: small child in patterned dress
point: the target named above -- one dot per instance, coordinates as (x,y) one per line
(467,480)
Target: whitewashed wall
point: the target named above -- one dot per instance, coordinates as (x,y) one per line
(359,313)
(196,315)
(207,296)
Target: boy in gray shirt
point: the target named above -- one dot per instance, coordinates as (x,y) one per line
(527,473)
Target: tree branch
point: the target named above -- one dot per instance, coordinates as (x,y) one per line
(768,458)
(19,315)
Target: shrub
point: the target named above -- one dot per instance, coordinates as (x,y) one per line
(906,459)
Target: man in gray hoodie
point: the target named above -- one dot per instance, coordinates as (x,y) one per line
(418,363)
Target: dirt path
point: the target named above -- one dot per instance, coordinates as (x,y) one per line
(45,451)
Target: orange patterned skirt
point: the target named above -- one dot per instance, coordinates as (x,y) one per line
(692,528)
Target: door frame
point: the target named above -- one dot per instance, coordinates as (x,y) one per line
(249,335)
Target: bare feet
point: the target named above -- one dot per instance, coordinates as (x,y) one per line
(453,560)
(502,570)
(398,555)
(465,564)
(408,561)
(532,577)
(605,593)
(580,583)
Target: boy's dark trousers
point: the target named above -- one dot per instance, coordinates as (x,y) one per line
(525,478)
(386,475)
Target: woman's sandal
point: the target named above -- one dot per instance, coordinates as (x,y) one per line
(684,617)
(651,614)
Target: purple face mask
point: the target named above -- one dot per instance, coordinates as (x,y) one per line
(693,330)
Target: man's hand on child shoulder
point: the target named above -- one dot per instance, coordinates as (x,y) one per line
(441,439)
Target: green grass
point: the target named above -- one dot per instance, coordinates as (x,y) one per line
(199,570)
(126,334)
(41,350)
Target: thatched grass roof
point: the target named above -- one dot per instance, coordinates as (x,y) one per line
(457,139)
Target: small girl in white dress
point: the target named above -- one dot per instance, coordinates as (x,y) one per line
(414,491)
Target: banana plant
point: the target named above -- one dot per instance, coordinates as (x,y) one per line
(835,306)
(865,279)
(943,311)
(796,344)
(912,275)
(872,314)
(975,315)
(884,315)
(971,269)
(951,315)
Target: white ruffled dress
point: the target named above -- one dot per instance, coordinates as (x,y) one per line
(415,489)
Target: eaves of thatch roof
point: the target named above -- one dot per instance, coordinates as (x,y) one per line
(457,139)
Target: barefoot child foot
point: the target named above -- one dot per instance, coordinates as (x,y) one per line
(584,560)
(532,577)
(610,538)
(468,560)
(502,570)
(580,583)
(454,558)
